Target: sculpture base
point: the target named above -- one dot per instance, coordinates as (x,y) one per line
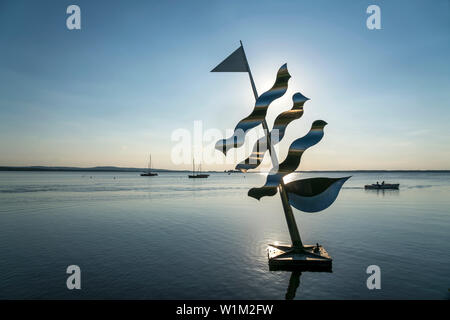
(308,258)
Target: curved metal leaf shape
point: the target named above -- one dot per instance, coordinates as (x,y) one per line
(277,133)
(259,112)
(292,161)
(314,194)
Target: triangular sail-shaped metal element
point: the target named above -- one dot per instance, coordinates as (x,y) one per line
(235,62)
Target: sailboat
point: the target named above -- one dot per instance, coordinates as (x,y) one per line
(197,175)
(149,173)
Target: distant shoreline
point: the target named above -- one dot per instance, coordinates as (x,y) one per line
(120,169)
(91,169)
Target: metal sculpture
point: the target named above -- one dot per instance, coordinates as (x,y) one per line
(308,195)
(259,112)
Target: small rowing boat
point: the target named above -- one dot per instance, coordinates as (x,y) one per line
(382,186)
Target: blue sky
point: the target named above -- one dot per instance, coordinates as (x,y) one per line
(115,90)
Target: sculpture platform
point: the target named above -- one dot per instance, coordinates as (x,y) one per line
(308,258)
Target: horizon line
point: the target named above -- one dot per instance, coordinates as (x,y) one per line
(135,169)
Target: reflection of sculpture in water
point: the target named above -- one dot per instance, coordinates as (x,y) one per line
(294,280)
(294,283)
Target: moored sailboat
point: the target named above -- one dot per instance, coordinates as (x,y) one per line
(197,175)
(149,172)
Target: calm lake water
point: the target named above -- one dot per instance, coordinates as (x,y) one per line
(169,237)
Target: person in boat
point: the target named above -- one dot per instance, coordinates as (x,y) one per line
(377,184)
(317,248)
(382,183)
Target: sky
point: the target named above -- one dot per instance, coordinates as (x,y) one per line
(138,71)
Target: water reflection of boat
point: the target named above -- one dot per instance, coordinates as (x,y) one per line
(149,172)
(382,186)
(197,175)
